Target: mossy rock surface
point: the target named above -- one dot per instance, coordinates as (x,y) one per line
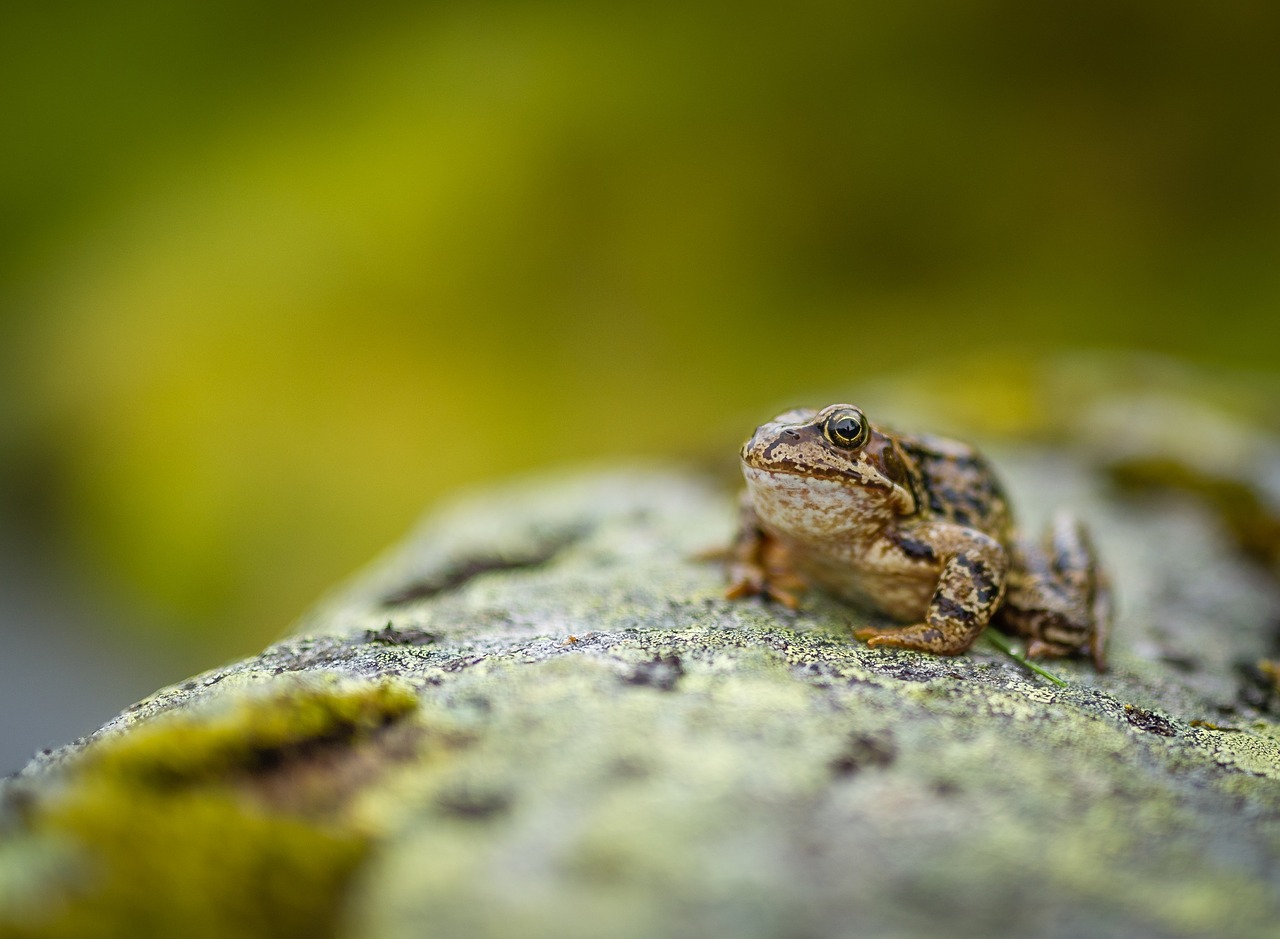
(539,717)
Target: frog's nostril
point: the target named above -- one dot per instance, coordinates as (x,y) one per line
(791,434)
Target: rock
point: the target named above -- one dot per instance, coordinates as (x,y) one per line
(539,717)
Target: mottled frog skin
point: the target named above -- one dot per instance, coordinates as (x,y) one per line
(915,527)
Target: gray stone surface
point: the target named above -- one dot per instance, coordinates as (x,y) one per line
(633,756)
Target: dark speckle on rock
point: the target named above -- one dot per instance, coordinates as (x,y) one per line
(471,803)
(863,751)
(663,671)
(1182,663)
(390,635)
(462,570)
(1148,721)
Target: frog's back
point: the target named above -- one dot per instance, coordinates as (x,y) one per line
(958,484)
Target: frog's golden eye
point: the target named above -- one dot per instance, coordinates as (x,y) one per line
(846,429)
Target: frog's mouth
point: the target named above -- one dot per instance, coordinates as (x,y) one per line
(803,450)
(782,478)
(791,475)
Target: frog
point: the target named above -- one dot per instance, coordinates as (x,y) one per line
(916,528)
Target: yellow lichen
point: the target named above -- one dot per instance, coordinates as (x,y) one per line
(190,747)
(167,842)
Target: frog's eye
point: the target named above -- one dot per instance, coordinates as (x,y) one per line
(846,429)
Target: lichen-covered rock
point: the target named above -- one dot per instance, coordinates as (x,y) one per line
(540,718)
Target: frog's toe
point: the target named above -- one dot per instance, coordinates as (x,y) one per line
(893,641)
(745,581)
(921,638)
(752,581)
(782,595)
(869,633)
(894,637)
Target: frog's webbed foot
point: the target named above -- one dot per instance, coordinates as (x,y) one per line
(1058,597)
(967,594)
(759,565)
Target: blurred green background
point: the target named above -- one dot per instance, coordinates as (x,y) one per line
(275,277)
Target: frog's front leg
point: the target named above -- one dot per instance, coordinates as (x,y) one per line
(1058,597)
(969,589)
(759,564)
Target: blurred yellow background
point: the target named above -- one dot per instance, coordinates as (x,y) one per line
(272,279)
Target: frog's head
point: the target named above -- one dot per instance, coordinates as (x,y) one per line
(832,461)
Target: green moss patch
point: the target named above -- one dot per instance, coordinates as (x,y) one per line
(254,735)
(169,839)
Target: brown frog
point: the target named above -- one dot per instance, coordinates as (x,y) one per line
(915,527)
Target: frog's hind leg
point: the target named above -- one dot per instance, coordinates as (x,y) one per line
(1058,597)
